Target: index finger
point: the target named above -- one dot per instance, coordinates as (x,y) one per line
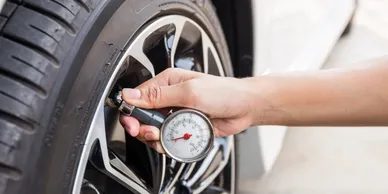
(169,77)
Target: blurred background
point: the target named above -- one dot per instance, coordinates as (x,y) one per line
(318,160)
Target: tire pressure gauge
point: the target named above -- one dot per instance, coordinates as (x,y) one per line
(186,135)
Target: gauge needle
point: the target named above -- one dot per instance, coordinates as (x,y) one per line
(186,136)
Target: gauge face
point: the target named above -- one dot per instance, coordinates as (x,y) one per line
(187,135)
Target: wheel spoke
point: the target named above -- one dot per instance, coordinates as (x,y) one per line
(120,166)
(215,190)
(176,175)
(220,145)
(106,161)
(89,188)
(210,55)
(136,51)
(217,60)
(179,24)
(205,52)
(158,168)
(204,165)
(136,48)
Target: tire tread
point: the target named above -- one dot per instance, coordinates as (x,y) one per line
(25,125)
(34,37)
(32,46)
(24,81)
(65,21)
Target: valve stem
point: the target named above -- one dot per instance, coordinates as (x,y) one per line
(115,101)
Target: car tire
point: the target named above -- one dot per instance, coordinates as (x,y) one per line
(55,58)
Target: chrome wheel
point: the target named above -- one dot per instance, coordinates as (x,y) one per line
(114,162)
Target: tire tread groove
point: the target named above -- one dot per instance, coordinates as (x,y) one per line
(23,124)
(14,98)
(24,81)
(83,5)
(52,16)
(11,172)
(28,64)
(31,46)
(42,31)
(61,4)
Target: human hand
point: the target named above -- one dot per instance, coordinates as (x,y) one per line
(226,101)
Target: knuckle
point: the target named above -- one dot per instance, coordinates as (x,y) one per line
(154,95)
(170,70)
(168,74)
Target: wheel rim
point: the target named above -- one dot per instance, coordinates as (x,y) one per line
(106,156)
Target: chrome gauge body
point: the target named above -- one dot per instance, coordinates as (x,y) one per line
(187,135)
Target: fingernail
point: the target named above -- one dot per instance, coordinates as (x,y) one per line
(148,136)
(131,93)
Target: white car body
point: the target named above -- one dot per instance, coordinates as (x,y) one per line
(294,35)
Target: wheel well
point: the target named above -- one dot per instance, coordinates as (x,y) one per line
(237,23)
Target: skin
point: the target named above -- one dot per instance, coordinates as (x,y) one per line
(355,96)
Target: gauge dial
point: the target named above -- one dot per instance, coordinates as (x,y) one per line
(187,135)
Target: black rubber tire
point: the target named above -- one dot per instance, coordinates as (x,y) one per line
(55,58)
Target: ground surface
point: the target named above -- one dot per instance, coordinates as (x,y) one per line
(331,160)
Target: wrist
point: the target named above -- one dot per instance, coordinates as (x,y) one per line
(254,93)
(265,99)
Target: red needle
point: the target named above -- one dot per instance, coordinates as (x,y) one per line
(186,136)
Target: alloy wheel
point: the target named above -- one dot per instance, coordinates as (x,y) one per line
(114,162)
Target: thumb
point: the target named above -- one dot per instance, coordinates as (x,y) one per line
(152,97)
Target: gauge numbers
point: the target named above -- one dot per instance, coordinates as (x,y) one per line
(187,135)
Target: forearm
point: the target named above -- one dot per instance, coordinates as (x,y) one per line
(353,96)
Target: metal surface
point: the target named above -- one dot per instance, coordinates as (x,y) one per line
(96,151)
(89,188)
(226,147)
(174,180)
(2,2)
(126,108)
(115,101)
(96,141)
